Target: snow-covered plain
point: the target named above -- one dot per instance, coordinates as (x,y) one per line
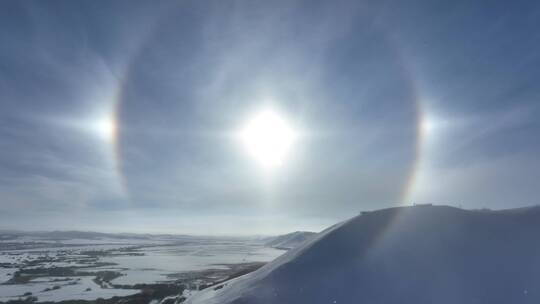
(77,288)
(421,254)
(5,274)
(141,260)
(158,262)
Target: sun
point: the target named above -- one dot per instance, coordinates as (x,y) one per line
(268,138)
(105,127)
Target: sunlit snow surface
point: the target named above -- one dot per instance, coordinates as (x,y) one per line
(139,260)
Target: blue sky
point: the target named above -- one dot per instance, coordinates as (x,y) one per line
(398,102)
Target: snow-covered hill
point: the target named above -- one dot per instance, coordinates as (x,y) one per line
(423,254)
(290,240)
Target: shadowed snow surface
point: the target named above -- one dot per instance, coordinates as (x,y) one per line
(423,254)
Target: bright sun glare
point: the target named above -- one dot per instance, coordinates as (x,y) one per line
(268,138)
(105,128)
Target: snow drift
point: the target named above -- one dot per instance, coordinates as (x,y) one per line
(424,254)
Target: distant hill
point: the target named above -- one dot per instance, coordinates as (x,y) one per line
(86,235)
(290,240)
(420,255)
(66,235)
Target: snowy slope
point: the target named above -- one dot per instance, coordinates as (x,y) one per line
(425,254)
(290,240)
